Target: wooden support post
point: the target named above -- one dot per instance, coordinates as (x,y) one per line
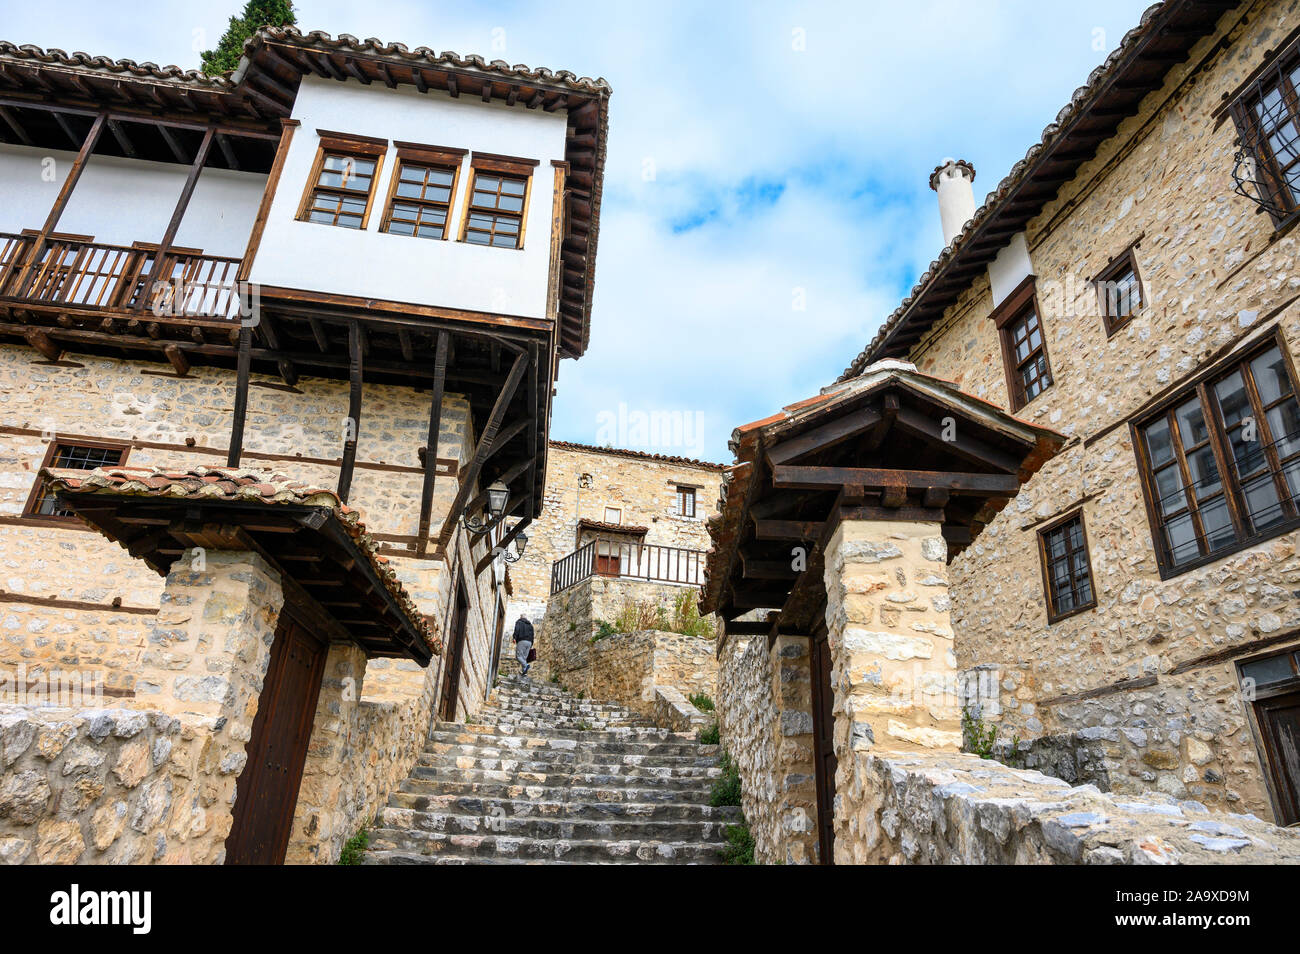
(470,476)
(161,271)
(180,364)
(243,366)
(354,411)
(431,446)
(60,203)
(287,126)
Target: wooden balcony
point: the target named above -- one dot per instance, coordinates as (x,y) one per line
(99,276)
(628,560)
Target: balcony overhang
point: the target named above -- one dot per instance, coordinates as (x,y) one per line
(327,561)
(892,445)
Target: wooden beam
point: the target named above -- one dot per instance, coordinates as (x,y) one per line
(174,145)
(431,444)
(354,411)
(828,435)
(161,270)
(796,477)
(767,569)
(962,445)
(179,362)
(12,121)
(224,145)
(787,529)
(122,138)
(42,343)
(240,415)
(485,441)
(37,252)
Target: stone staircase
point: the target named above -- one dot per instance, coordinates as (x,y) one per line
(543,777)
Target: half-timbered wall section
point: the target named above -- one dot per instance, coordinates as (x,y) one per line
(171,299)
(1178,603)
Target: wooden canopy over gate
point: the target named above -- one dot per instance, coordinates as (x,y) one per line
(327,562)
(892,444)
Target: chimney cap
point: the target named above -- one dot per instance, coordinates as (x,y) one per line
(950,164)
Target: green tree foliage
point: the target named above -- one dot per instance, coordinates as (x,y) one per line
(256,14)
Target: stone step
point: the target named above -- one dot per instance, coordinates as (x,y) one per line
(398,846)
(561,709)
(569,756)
(574,810)
(542,767)
(550,828)
(631,778)
(567,743)
(577,793)
(624,734)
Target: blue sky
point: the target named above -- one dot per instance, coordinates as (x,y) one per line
(766,204)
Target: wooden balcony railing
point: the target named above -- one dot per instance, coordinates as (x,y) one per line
(625,559)
(96,275)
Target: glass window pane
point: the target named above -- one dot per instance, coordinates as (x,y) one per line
(1191,423)
(410,189)
(1231,392)
(1217,522)
(1159,447)
(1269,671)
(1204,471)
(512,186)
(1270,374)
(1284,427)
(511,204)
(1181,536)
(1262,502)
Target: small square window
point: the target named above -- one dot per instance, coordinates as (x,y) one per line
(613,515)
(1067,570)
(1119,292)
(421,193)
(42,502)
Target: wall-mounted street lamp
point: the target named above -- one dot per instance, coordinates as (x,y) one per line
(498,495)
(521,541)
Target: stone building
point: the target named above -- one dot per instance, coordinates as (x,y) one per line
(1118,604)
(621,496)
(277,357)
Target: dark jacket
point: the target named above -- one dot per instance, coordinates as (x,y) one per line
(523,630)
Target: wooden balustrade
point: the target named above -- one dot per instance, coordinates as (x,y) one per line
(98,275)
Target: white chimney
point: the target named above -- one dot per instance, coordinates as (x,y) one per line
(954,180)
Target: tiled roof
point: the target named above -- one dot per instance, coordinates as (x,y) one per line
(125,69)
(748,440)
(603,527)
(423,56)
(244,485)
(1153,26)
(639,455)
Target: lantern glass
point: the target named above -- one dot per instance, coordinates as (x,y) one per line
(498,494)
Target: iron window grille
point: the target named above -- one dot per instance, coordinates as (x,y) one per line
(70,456)
(1267,117)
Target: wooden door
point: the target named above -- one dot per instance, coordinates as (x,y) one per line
(455,655)
(496,638)
(824,763)
(267,790)
(1279,724)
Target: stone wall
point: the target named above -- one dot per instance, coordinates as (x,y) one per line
(73,601)
(621,667)
(931,808)
(641,485)
(765,724)
(1166,710)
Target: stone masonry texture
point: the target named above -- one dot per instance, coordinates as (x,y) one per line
(1214,274)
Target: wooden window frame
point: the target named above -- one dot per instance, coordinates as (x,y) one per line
(1280,791)
(1199,386)
(617,510)
(30,511)
(682,492)
(1125,261)
(434,157)
(492,164)
(336,144)
(1053,615)
(1004,317)
(1275,72)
